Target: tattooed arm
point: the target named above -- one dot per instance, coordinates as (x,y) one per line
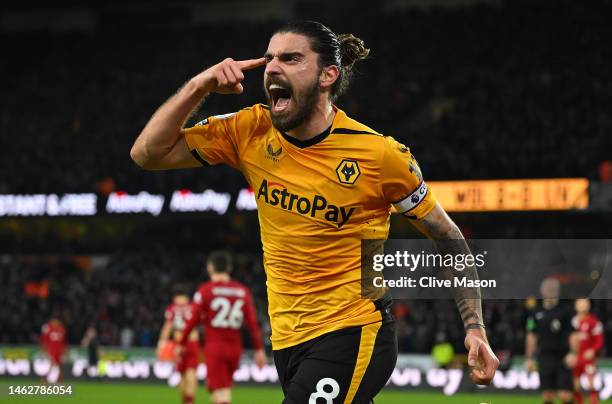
(439,227)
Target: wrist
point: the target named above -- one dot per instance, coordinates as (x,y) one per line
(473,325)
(476,330)
(200,85)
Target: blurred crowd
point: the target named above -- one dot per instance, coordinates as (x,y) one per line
(123,297)
(484,92)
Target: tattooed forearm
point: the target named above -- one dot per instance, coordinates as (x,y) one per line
(449,240)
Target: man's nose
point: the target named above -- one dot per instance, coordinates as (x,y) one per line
(272,67)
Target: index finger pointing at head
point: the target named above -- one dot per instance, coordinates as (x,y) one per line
(251,63)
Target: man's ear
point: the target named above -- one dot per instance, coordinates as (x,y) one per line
(328,76)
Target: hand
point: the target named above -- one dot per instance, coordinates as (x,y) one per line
(588,354)
(530,365)
(260,358)
(481,358)
(226,77)
(570,360)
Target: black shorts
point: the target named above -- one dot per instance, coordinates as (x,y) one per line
(348,365)
(554,374)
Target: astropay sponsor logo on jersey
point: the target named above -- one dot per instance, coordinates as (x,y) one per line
(276,194)
(143,202)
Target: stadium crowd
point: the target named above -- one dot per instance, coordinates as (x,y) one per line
(124,295)
(483,92)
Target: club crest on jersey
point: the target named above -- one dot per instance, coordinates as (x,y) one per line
(348,171)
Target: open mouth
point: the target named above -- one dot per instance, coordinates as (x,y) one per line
(281,97)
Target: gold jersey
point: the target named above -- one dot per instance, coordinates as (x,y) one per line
(316,201)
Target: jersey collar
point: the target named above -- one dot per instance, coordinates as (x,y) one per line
(340,116)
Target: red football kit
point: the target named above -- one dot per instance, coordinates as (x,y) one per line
(180,315)
(53,340)
(223,308)
(590,336)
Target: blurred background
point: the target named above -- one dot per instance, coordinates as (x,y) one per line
(483,92)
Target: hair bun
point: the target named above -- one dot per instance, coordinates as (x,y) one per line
(352,49)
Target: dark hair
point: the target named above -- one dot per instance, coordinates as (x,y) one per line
(221,261)
(340,50)
(181,288)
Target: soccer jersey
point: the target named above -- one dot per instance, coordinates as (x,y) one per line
(590,333)
(224,307)
(179,315)
(53,336)
(316,201)
(553,326)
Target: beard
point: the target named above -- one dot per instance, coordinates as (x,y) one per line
(304,107)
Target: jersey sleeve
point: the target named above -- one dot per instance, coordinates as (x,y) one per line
(44,333)
(221,138)
(532,324)
(196,313)
(597,335)
(169,314)
(402,182)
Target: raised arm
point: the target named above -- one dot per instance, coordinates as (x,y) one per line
(439,227)
(161,144)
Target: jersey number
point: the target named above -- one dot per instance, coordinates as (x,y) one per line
(327,383)
(228,315)
(179,323)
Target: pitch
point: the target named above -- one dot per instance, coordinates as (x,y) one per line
(134,393)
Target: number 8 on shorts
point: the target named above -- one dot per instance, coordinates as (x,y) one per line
(321,393)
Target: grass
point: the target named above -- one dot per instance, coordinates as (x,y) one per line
(100,392)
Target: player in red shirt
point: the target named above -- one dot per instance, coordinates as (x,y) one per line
(53,342)
(587,340)
(223,306)
(176,316)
